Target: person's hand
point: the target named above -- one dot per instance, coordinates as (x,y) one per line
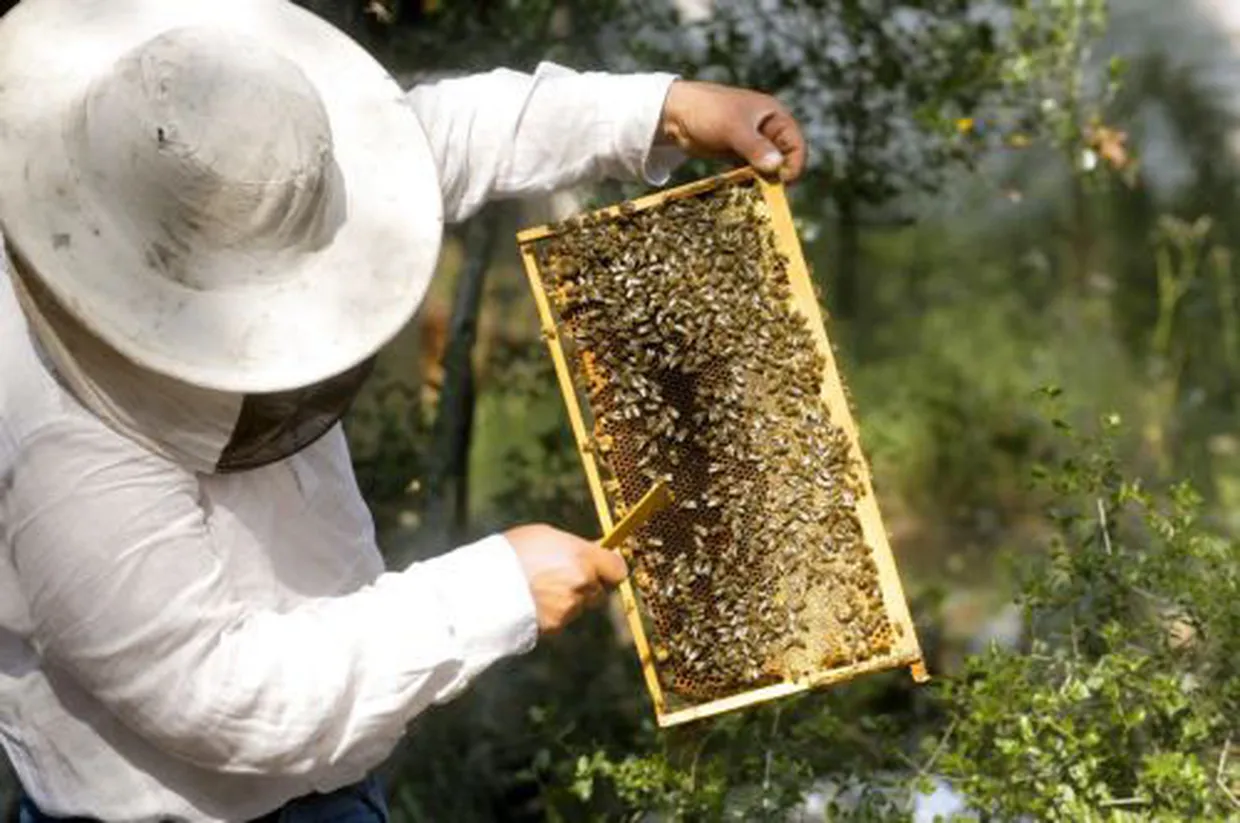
(566,573)
(709,120)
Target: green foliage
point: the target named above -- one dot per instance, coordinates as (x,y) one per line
(950,429)
(544,472)
(648,782)
(878,84)
(1055,62)
(749,767)
(1122,706)
(387,431)
(1126,700)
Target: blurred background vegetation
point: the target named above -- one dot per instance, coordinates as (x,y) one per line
(1022,217)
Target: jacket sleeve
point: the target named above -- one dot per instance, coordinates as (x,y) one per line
(129,595)
(507,134)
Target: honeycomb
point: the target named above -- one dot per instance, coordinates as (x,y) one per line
(695,367)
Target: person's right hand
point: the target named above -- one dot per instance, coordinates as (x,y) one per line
(566,573)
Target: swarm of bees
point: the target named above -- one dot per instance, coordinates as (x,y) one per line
(697,369)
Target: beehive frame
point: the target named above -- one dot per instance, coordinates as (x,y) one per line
(905,650)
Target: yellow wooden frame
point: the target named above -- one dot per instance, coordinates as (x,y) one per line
(906,650)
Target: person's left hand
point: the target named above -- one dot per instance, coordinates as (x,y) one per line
(710,120)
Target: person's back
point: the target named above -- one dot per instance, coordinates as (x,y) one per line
(28,397)
(283,535)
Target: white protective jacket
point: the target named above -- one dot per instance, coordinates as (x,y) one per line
(185,646)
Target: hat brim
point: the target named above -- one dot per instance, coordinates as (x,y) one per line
(337,305)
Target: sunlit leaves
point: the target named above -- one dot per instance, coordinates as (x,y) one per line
(1126,698)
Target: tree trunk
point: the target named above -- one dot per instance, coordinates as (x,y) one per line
(845,303)
(447,507)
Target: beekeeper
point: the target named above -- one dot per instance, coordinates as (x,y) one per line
(214,214)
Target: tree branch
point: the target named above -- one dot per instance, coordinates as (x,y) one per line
(447,479)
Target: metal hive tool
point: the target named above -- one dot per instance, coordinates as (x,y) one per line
(691,351)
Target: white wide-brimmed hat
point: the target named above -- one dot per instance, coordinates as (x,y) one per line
(231,193)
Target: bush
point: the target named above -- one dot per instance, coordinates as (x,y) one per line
(1122,704)
(1127,699)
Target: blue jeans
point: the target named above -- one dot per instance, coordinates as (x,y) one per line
(360,803)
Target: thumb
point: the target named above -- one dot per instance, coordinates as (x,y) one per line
(609,566)
(757,150)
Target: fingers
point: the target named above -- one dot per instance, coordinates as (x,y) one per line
(782,131)
(754,148)
(609,566)
(712,120)
(565,573)
(773,145)
(599,571)
(595,596)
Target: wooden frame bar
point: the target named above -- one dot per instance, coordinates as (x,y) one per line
(906,650)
